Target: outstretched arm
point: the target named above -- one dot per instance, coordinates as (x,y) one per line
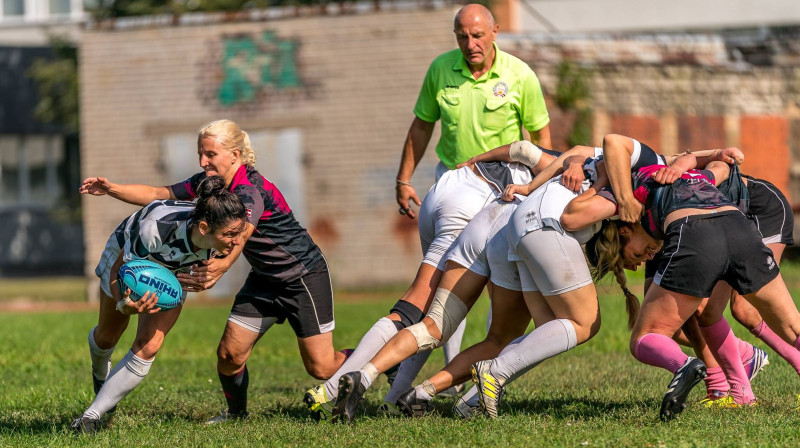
(706,156)
(131,193)
(564,162)
(417,139)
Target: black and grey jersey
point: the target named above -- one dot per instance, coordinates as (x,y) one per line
(160,232)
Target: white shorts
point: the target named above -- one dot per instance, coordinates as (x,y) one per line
(450,204)
(555,262)
(483,246)
(107,259)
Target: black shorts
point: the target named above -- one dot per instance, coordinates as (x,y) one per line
(700,250)
(771,212)
(307,303)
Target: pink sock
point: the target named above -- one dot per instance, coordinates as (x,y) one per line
(745,350)
(716,381)
(723,346)
(786,351)
(660,351)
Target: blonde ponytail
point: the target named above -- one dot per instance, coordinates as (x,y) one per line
(603,251)
(229,135)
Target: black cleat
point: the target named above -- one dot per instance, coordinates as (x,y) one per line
(351,392)
(692,372)
(411,405)
(97,384)
(86,425)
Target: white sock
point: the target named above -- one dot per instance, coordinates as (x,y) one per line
(101,358)
(453,345)
(546,341)
(406,374)
(425,391)
(471,396)
(370,344)
(368,375)
(127,374)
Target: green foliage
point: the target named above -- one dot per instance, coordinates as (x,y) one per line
(573,93)
(57,85)
(572,88)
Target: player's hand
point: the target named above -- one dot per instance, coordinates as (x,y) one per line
(203,275)
(731,154)
(95,186)
(512,189)
(630,210)
(666,175)
(573,177)
(145,305)
(405,195)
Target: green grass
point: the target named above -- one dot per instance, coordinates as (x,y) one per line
(44,289)
(595,395)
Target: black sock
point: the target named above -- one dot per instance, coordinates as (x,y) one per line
(235,389)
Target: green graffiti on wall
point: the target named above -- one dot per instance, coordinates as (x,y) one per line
(251,66)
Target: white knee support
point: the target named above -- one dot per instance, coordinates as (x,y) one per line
(525,152)
(447,311)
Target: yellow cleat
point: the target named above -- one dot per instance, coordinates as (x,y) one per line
(316,401)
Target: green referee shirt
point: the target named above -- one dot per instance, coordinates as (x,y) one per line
(480,115)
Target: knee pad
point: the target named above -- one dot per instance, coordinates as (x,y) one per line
(424,339)
(525,152)
(409,314)
(447,311)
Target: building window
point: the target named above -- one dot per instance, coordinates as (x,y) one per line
(33,171)
(13,7)
(60,7)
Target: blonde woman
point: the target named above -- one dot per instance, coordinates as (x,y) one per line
(289,279)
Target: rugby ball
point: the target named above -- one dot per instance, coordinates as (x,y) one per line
(141,276)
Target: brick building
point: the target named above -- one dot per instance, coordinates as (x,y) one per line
(328,100)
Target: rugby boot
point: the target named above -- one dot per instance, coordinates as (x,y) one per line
(351,392)
(411,405)
(316,401)
(463,410)
(227,416)
(692,372)
(387,409)
(490,391)
(86,425)
(757,363)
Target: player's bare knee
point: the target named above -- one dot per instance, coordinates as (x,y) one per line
(319,370)
(147,348)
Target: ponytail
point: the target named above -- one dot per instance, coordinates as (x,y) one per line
(216,205)
(603,251)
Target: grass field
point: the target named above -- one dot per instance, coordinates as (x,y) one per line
(595,395)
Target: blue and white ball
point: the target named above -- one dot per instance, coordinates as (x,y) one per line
(141,276)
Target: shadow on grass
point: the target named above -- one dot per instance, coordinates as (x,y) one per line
(560,408)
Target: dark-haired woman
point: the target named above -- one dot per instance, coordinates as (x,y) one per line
(289,279)
(706,239)
(175,234)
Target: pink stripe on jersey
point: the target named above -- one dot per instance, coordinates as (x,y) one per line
(279,202)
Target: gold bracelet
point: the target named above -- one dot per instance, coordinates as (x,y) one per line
(402,182)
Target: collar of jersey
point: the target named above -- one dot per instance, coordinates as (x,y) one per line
(461,65)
